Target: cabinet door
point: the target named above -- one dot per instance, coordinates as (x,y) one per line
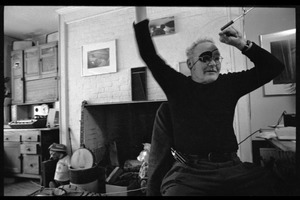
(31,164)
(12,157)
(31,63)
(41,90)
(48,58)
(17,74)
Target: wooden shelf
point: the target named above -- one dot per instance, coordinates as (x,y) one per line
(124,102)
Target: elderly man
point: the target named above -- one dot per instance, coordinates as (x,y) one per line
(202,111)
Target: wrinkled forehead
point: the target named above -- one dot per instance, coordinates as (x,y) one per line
(206,47)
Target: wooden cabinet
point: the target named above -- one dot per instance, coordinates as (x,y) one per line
(40,61)
(17,76)
(26,149)
(35,74)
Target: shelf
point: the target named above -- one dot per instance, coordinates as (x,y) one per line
(125,102)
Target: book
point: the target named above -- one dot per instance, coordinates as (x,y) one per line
(286,133)
(267,134)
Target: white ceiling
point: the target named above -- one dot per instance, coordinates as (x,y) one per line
(23,22)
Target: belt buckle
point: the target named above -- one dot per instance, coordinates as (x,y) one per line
(209,157)
(215,157)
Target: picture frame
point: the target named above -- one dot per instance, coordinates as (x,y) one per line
(162,26)
(283,46)
(99,58)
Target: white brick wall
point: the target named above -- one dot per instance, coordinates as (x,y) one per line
(190,23)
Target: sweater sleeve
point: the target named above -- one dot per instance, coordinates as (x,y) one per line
(163,73)
(266,67)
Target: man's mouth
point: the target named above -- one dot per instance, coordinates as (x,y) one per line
(210,70)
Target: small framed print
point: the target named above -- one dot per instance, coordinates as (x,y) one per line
(99,58)
(162,26)
(283,46)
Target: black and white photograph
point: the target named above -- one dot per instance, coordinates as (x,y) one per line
(162,26)
(283,45)
(150,101)
(99,58)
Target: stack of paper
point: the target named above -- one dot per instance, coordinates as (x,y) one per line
(267,134)
(286,133)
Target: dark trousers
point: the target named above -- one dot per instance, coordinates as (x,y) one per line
(232,178)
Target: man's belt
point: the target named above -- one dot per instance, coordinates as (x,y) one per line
(211,157)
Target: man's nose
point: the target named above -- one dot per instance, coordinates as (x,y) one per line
(212,62)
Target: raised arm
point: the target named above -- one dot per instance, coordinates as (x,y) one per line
(266,66)
(140,14)
(162,72)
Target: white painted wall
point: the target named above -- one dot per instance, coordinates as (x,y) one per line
(266,110)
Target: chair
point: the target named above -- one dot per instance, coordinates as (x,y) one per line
(160,158)
(48,171)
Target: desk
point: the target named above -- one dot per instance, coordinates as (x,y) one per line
(270,136)
(267,148)
(284,145)
(278,156)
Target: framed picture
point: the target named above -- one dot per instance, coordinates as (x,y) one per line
(99,58)
(183,68)
(283,46)
(162,26)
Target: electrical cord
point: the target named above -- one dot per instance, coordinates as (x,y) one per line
(278,122)
(249,136)
(133,190)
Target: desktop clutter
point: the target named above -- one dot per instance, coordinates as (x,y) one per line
(67,176)
(281,159)
(43,117)
(288,131)
(285,130)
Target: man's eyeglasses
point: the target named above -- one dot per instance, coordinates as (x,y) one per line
(207,57)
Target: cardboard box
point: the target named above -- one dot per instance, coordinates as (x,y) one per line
(20,45)
(51,37)
(116,190)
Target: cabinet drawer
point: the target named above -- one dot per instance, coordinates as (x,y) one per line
(11,136)
(29,148)
(30,136)
(31,164)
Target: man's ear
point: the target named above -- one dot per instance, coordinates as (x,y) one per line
(189,63)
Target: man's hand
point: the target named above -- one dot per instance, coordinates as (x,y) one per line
(232,37)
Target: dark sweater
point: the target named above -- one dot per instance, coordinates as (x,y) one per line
(202,114)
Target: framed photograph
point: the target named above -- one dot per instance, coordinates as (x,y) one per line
(162,26)
(99,58)
(283,46)
(183,68)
